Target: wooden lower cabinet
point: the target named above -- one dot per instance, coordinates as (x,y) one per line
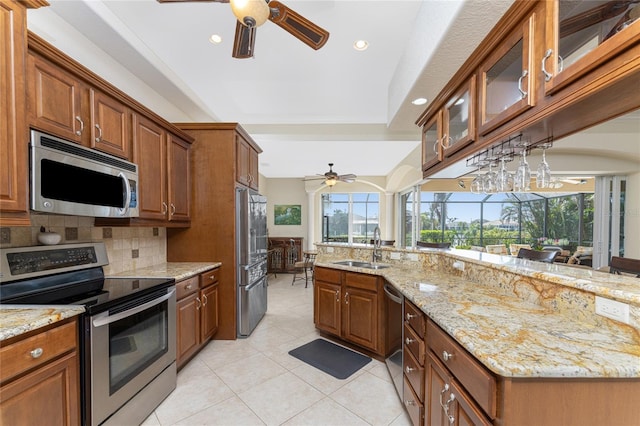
(197,318)
(39,389)
(350,306)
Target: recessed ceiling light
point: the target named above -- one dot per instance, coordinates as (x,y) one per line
(215,39)
(419,101)
(360,45)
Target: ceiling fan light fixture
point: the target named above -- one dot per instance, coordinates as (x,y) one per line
(251,13)
(331,182)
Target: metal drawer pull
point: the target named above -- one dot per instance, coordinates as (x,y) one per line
(409,341)
(446,355)
(409,369)
(547,74)
(188,286)
(523,93)
(410,316)
(409,402)
(212,277)
(99,137)
(36,353)
(204,300)
(79,132)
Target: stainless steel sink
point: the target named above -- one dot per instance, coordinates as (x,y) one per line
(359,264)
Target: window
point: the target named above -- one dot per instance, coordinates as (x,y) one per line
(465,219)
(349,217)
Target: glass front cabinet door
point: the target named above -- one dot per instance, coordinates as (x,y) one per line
(506,78)
(459,119)
(432,142)
(582,35)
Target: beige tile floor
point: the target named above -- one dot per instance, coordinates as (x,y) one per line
(254,381)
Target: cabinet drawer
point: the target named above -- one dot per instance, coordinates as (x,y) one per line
(209,277)
(415,317)
(186,287)
(414,406)
(363,281)
(328,275)
(414,372)
(23,355)
(476,379)
(414,344)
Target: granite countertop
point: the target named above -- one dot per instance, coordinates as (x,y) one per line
(177,270)
(513,337)
(20,319)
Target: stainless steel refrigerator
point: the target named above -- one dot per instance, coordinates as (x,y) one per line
(251,246)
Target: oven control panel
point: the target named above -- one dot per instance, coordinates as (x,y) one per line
(29,262)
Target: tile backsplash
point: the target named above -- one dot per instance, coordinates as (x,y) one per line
(127,247)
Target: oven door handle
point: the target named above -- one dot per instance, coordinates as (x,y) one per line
(104,319)
(127,197)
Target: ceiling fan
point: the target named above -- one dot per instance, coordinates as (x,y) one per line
(331,177)
(253,13)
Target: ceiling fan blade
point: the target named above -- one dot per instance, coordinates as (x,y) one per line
(297,25)
(244,41)
(347,177)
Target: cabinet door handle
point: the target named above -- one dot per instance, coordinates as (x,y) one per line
(410,316)
(346,298)
(99,137)
(409,402)
(164,208)
(338,296)
(79,132)
(408,369)
(409,341)
(204,300)
(173,209)
(198,303)
(523,93)
(547,74)
(446,355)
(36,353)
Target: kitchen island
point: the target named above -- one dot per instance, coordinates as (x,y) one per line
(531,326)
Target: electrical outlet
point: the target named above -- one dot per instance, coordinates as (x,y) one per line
(612,309)
(412,256)
(394,255)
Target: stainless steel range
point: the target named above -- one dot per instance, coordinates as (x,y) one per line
(127,335)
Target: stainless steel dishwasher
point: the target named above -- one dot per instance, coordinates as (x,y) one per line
(394,309)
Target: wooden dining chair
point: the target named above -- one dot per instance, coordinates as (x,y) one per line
(619,265)
(540,256)
(433,245)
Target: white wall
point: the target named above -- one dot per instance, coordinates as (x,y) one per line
(286,191)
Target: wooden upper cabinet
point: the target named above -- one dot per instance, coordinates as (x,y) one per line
(246,163)
(431,142)
(163,172)
(507,78)
(63,105)
(583,35)
(459,121)
(151,157)
(54,99)
(111,125)
(179,179)
(13,129)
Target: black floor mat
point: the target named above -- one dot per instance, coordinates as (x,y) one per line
(330,358)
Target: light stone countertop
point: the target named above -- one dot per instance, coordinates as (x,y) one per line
(501,324)
(20,319)
(177,270)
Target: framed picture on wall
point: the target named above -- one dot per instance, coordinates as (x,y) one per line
(287,214)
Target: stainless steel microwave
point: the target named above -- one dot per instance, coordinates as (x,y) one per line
(67,178)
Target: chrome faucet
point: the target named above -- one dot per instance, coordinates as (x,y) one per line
(376,255)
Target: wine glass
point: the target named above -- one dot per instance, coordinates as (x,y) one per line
(504,179)
(476,184)
(522,180)
(543,175)
(489,181)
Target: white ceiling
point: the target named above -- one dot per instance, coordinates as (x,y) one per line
(305,108)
